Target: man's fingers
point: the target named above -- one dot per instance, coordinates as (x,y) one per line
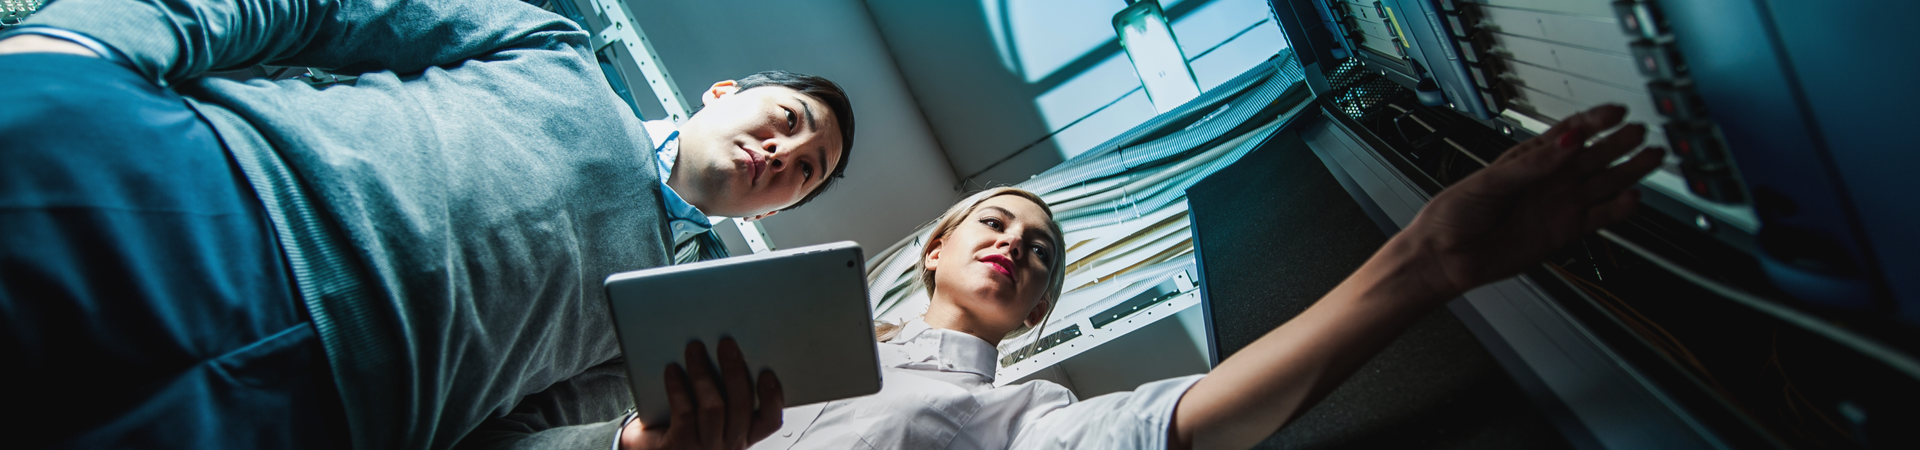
(773,400)
(708,402)
(644,438)
(1608,183)
(733,373)
(684,418)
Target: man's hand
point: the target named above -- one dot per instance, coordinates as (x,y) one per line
(1539,196)
(33,43)
(710,415)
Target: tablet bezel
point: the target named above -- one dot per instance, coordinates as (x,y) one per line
(802,312)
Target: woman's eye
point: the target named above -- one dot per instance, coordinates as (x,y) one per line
(991,223)
(1040,251)
(791,120)
(806,172)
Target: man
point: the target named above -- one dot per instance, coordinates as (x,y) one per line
(382,265)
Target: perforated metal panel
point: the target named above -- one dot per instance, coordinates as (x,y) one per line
(13,11)
(1356,90)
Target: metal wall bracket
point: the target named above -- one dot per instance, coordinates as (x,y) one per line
(624,31)
(756,237)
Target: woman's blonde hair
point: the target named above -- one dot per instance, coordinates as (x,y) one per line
(1056,266)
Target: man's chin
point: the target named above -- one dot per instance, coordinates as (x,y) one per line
(727,211)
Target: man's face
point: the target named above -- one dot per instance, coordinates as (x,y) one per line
(750,153)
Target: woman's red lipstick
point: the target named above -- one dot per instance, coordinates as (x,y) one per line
(1000,264)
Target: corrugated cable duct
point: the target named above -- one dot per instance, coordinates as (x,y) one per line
(1123,203)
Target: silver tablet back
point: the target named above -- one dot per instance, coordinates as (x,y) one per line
(802,312)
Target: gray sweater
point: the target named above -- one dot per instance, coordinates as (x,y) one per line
(449,219)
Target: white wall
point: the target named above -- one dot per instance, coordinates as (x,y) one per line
(898,177)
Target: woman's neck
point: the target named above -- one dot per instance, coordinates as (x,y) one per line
(943,316)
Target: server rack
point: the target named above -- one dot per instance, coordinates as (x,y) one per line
(1762,298)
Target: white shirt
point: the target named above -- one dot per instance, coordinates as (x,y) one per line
(937,393)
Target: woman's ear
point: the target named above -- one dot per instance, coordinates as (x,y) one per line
(932,259)
(1038,313)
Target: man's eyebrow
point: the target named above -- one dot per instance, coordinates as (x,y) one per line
(808,109)
(809,112)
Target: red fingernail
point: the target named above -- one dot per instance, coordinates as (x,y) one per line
(1570,140)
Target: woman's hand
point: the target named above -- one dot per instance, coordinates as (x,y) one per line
(1538,197)
(712,411)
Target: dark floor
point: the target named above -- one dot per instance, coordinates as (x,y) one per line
(1274,232)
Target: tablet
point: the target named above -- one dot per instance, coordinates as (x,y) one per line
(802,312)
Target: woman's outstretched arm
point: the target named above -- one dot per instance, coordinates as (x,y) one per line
(1539,196)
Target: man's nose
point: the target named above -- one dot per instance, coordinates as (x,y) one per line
(775,157)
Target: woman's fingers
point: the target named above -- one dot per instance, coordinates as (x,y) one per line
(773,400)
(1575,130)
(1546,154)
(712,408)
(1535,198)
(1616,209)
(1608,183)
(739,392)
(1603,152)
(1560,151)
(1520,167)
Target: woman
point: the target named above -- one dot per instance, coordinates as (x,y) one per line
(992,269)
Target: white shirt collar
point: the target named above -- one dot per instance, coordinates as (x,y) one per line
(923,347)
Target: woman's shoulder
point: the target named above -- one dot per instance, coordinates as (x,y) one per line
(1038,391)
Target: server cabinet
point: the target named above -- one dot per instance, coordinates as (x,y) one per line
(1762,296)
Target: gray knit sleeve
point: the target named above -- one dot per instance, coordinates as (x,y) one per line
(583,412)
(169,40)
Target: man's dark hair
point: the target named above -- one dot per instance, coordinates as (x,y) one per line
(826,92)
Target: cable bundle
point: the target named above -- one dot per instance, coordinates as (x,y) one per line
(1123,203)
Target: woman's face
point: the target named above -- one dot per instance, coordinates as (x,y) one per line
(992,266)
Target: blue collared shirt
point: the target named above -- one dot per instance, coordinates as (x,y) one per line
(683,219)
